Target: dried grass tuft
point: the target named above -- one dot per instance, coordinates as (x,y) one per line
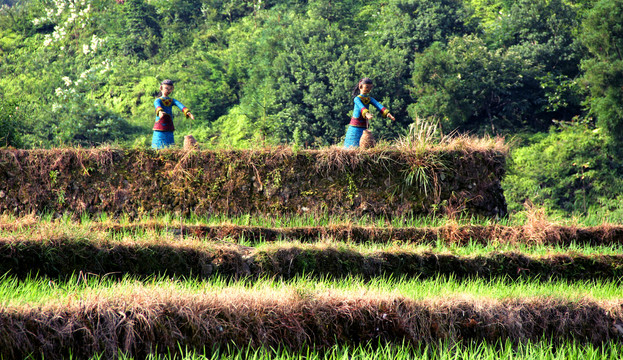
(485,143)
(367,140)
(13,223)
(538,228)
(427,135)
(190,143)
(422,134)
(336,159)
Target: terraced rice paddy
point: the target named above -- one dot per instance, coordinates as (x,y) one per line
(310,288)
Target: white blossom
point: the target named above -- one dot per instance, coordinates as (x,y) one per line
(68,15)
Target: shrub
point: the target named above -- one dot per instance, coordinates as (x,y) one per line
(10,119)
(568,172)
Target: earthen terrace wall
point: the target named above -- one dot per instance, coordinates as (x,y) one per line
(268,181)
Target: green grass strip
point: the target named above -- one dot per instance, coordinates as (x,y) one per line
(521,218)
(258,220)
(544,350)
(15,292)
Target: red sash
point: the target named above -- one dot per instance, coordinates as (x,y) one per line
(165,123)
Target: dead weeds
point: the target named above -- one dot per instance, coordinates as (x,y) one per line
(146,320)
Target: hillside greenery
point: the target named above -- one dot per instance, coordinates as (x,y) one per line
(548,72)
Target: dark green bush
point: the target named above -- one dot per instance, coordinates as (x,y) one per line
(568,172)
(602,34)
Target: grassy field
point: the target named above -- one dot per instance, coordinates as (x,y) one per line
(309,288)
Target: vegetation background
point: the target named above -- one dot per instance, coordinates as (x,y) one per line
(546,74)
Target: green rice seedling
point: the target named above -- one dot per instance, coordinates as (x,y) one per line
(365,220)
(590,219)
(40,290)
(543,350)
(103,217)
(301,220)
(471,249)
(449,235)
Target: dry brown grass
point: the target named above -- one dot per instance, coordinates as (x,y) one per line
(63,253)
(537,230)
(426,135)
(13,223)
(486,143)
(143,319)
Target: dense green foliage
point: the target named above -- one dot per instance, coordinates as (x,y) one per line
(282,71)
(568,172)
(603,35)
(516,75)
(10,124)
(86,72)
